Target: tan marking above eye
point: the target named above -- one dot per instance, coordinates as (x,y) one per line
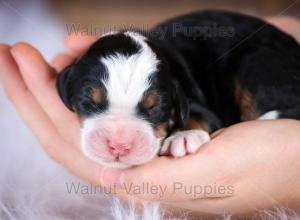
(150,100)
(97,94)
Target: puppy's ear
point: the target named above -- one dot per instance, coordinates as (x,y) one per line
(181,105)
(63,85)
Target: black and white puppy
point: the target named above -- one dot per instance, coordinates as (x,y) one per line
(139,95)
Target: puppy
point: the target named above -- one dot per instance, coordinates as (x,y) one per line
(138,94)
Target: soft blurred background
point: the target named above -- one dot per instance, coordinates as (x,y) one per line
(142,12)
(32,186)
(44,20)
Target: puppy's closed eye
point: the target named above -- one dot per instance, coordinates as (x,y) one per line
(150,100)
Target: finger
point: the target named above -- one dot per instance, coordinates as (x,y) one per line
(23,100)
(40,79)
(79,43)
(10,78)
(61,61)
(40,124)
(81,166)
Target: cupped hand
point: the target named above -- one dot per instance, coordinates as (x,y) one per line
(245,167)
(29,82)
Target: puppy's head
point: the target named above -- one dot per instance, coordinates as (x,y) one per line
(125,97)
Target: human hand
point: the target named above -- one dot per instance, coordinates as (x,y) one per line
(32,91)
(29,82)
(246,167)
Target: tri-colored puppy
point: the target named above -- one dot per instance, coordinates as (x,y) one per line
(140,94)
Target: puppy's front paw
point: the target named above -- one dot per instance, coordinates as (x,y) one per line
(184,142)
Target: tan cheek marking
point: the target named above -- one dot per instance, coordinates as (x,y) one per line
(161,130)
(245,102)
(194,123)
(150,100)
(97,94)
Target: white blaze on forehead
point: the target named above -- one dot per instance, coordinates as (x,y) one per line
(128,76)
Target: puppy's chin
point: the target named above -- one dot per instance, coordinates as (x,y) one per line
(122,163)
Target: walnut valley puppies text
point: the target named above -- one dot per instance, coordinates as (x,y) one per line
(156,191)
(201,32)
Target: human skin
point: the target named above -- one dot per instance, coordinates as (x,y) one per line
(258,159)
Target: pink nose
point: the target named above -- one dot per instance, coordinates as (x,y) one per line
(118,149)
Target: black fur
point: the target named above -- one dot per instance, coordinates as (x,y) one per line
(263,59)
(197,74)
(75,82)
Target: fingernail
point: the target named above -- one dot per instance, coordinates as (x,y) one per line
(111,177)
